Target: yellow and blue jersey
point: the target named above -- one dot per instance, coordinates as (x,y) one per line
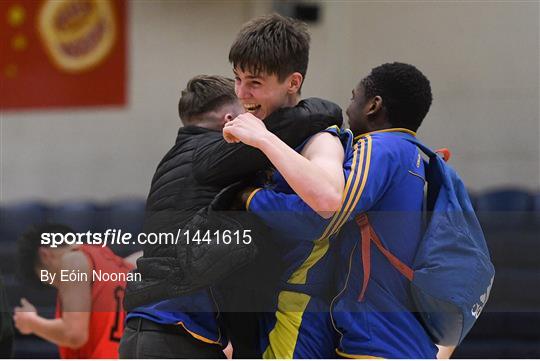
(197,313)
(386,180)
(300,327)
(383,324)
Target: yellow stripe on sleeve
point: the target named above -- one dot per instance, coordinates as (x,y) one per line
(345,213)
(251,197)
(364,179)
(346,355)
(320,246)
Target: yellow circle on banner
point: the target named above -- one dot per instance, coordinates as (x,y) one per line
(11,70)
(19,42)
(77,34)
(16,15)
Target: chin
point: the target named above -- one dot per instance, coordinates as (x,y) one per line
(261,114)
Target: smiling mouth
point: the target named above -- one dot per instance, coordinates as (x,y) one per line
(252,108)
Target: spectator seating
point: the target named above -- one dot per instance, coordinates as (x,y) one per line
(80,216)
(536,210)
(18,217)
(126,215)
(508,327)
(505,208)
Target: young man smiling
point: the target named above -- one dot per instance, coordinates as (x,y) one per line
(270,58)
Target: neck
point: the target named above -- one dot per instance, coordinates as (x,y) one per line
(292,100)
(208,124)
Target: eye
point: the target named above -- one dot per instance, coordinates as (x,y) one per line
(256,83)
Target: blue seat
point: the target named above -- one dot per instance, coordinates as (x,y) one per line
(509,324)
(17,218)
(80,216)
(126,215)
(496,348)
(33,347)
(505,200)
(516,248)
(505,208)
(515,290)
(474,198)
(536,211)
(8,259)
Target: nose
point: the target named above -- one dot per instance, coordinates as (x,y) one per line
(241,91)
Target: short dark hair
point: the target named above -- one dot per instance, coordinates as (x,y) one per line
(273,44)
(27,249)
(405,91)
(204,93)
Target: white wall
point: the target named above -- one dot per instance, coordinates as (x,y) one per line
(483,62)
(482,59)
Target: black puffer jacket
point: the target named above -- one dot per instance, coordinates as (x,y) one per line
(187,180)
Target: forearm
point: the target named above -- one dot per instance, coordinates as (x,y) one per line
(445,351)
(307,180)
(55,331)
(217,162)
(287,214)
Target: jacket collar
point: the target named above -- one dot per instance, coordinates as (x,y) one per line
(193,129)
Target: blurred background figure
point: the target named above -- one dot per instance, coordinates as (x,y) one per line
(89,313)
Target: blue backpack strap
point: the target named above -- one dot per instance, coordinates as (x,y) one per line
(427,151)
(435,170)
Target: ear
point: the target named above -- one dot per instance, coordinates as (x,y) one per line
(374,105)
(44,255)
(294,83)
(227,117)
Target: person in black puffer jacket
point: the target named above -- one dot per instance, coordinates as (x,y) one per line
(175,290)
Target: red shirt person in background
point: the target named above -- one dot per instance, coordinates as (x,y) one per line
(90,281)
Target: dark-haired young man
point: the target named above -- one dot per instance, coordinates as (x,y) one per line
(387,106)
(191,174)
(387,179)
(89,314)
(270,58)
